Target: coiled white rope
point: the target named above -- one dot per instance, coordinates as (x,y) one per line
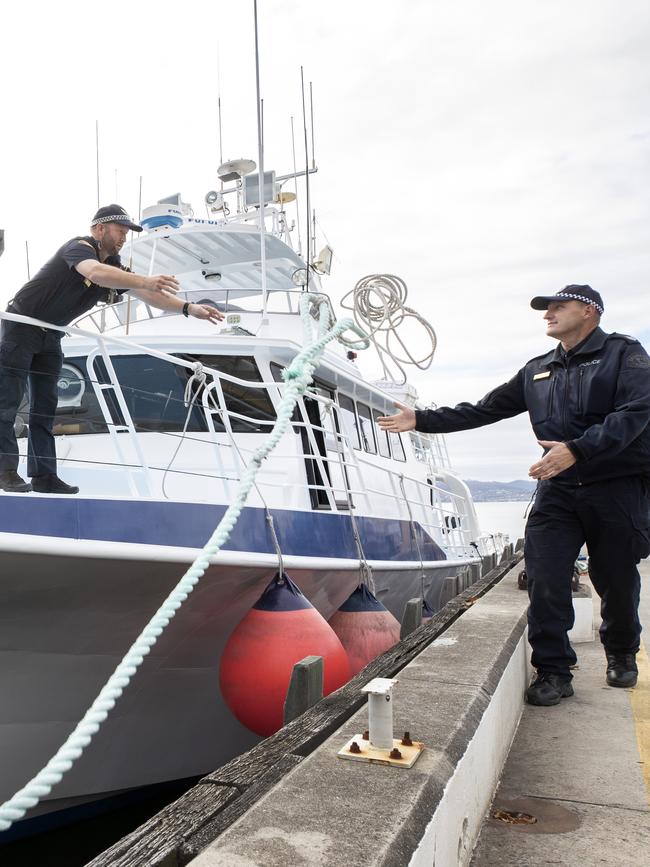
(379,308)
(297,377)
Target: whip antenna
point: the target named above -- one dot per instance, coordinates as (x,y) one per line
(295,186)
(97,158)
(308,221)
(219,108)
(311,108)
(260,151)
(128,294)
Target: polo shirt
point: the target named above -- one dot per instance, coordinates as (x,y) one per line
(58,293)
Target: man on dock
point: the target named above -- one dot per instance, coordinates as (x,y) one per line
(83,272)
(589,406)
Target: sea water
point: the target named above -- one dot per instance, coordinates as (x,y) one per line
(503,517)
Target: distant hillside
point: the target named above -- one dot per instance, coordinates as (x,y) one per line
(485,492)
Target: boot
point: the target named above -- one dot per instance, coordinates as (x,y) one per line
(52,484)
(621,669)
(11,482)
(549,689)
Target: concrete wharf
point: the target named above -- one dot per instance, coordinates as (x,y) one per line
(572,782)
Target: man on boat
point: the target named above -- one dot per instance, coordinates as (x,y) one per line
(84,271)
(589,406)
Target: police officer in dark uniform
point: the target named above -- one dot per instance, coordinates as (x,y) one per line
(589,406)
(84,271)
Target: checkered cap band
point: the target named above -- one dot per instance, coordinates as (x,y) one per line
(582,298)
(113,218)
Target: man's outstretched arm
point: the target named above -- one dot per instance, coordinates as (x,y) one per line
(505,401)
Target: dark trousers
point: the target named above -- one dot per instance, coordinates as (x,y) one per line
(613,518)
(28,352)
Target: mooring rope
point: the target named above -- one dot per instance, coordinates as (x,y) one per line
(297,377)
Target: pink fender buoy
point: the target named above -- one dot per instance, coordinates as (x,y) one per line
(280,629)
(364,627)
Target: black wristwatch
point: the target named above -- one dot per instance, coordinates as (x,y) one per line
(186,308)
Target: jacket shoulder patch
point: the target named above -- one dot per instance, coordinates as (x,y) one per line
(638,360)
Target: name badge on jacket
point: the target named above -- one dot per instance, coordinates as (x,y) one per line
(544,375)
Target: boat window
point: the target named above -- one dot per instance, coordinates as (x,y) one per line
(382,436)
(397,446)
(251,401)
(154,392)
(349,421)
(367,429)
(78,410)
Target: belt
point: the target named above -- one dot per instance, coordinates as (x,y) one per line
(12,307)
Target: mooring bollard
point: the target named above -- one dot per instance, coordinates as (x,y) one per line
(305,687)
(412,617)
(380,712)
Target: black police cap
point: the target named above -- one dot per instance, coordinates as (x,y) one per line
(114,214)
(574,292)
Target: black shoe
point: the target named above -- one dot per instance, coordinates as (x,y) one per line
(52,484)
(548,689)
(11,482)
(621,669)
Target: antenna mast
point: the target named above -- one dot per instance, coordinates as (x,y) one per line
(97,158)
(260,151)
(308,221)
(295,187)
(311,108)
(219,107)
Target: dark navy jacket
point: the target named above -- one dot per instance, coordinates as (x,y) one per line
(596,399)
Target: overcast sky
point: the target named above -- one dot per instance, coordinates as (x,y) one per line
(483,151)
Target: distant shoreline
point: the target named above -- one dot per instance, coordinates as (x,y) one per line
(519,491)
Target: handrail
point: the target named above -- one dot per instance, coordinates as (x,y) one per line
(231,294)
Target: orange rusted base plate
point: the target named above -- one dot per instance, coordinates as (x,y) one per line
(368,753)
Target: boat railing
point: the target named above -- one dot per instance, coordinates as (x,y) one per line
(434,506)
(231,300)
(344,476)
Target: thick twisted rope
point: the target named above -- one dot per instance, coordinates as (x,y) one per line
(297,376)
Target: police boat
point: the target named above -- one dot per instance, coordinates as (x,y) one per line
(158,419)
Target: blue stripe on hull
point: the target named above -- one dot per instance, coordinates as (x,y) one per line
(301,534)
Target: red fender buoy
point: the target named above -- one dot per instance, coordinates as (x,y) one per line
(280,629)
(364,627)
(427,611)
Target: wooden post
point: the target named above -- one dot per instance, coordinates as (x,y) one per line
(412,617)
(305,687)
(450,587)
